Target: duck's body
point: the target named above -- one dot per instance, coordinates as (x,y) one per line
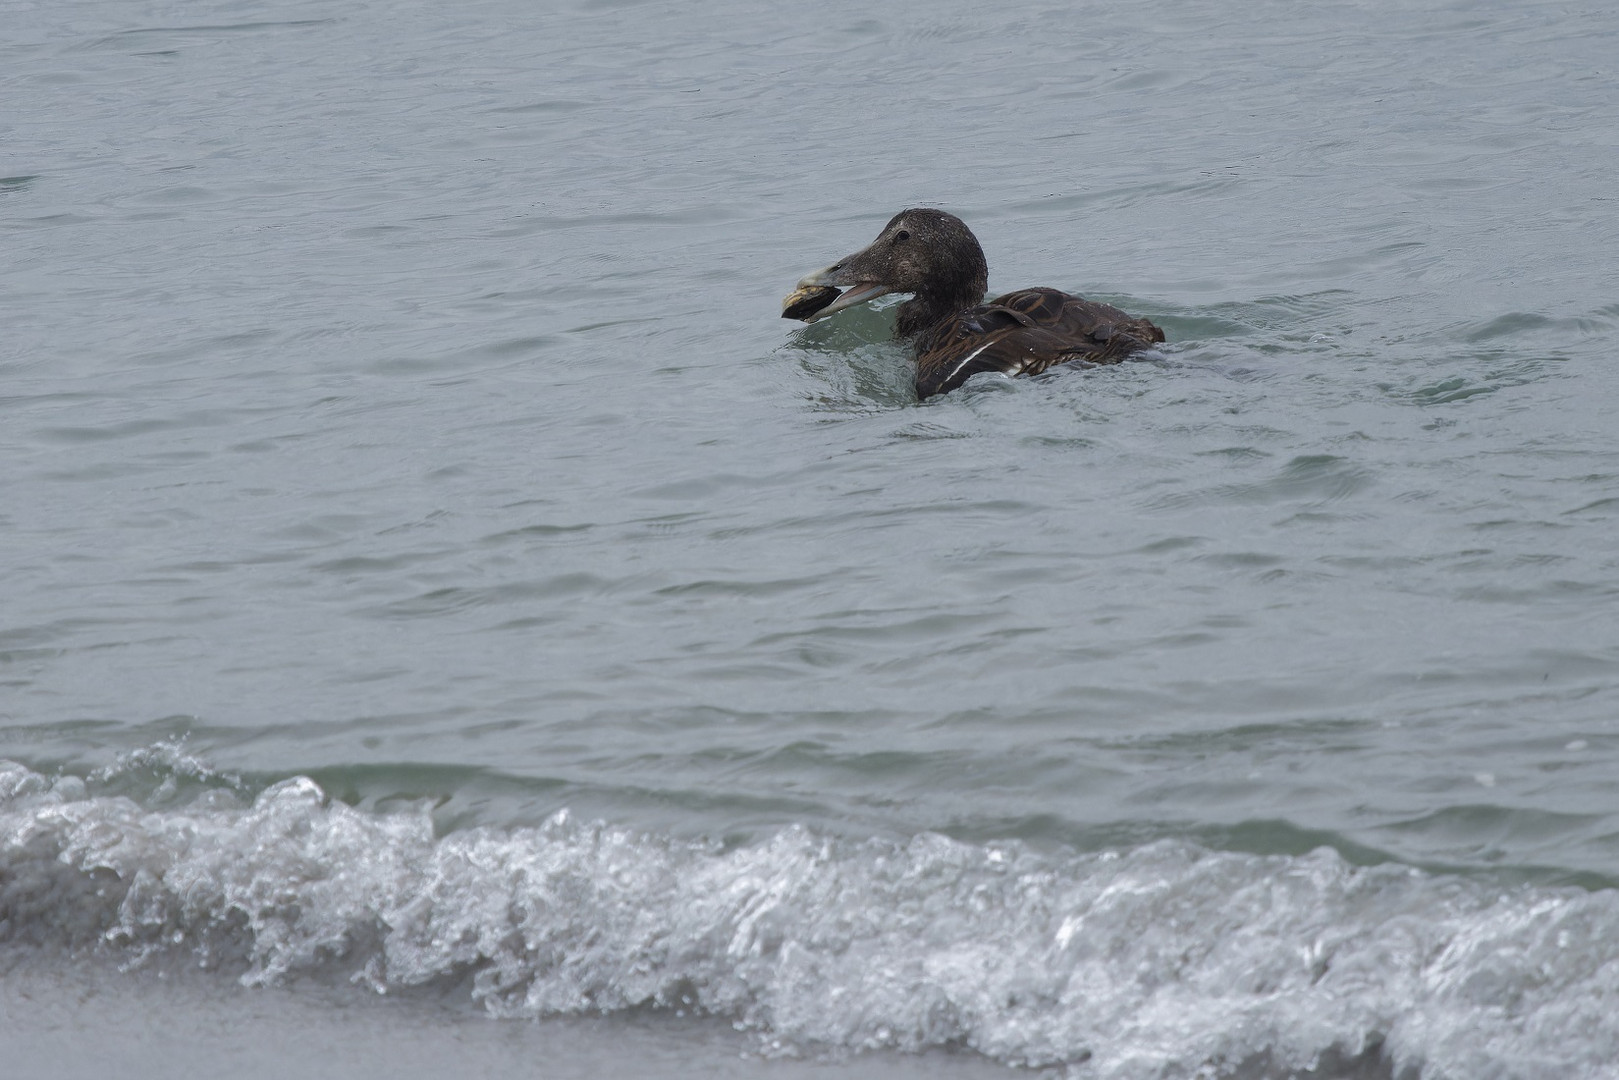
(936,258)
(1024,333)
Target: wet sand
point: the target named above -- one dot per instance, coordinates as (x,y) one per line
(84,1021)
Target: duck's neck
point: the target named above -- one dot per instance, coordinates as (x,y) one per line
(925,309)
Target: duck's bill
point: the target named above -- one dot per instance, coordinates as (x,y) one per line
(813,300)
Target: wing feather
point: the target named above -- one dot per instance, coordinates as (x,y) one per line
(1026,332)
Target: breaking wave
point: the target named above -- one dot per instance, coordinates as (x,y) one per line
(1166,960)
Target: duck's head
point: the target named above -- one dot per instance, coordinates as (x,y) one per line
(928,253)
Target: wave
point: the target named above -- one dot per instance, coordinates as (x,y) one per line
(1165,960)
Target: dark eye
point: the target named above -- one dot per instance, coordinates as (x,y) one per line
(901,235)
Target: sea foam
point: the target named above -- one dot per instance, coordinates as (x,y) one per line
(1165,960)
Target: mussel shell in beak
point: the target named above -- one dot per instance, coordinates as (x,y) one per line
(805,302)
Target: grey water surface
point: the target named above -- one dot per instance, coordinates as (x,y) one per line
(429,563)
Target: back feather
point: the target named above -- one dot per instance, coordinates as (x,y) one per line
(1024,333)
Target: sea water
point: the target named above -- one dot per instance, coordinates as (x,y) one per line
(451,622)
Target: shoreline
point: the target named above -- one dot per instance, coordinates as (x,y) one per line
(80,1019)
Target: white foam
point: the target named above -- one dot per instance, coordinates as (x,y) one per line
(1161,961)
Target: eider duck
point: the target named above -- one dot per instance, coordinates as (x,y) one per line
(935,257)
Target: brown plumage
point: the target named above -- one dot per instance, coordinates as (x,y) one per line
(936,258)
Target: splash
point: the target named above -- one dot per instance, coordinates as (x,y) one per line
(1162,961)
